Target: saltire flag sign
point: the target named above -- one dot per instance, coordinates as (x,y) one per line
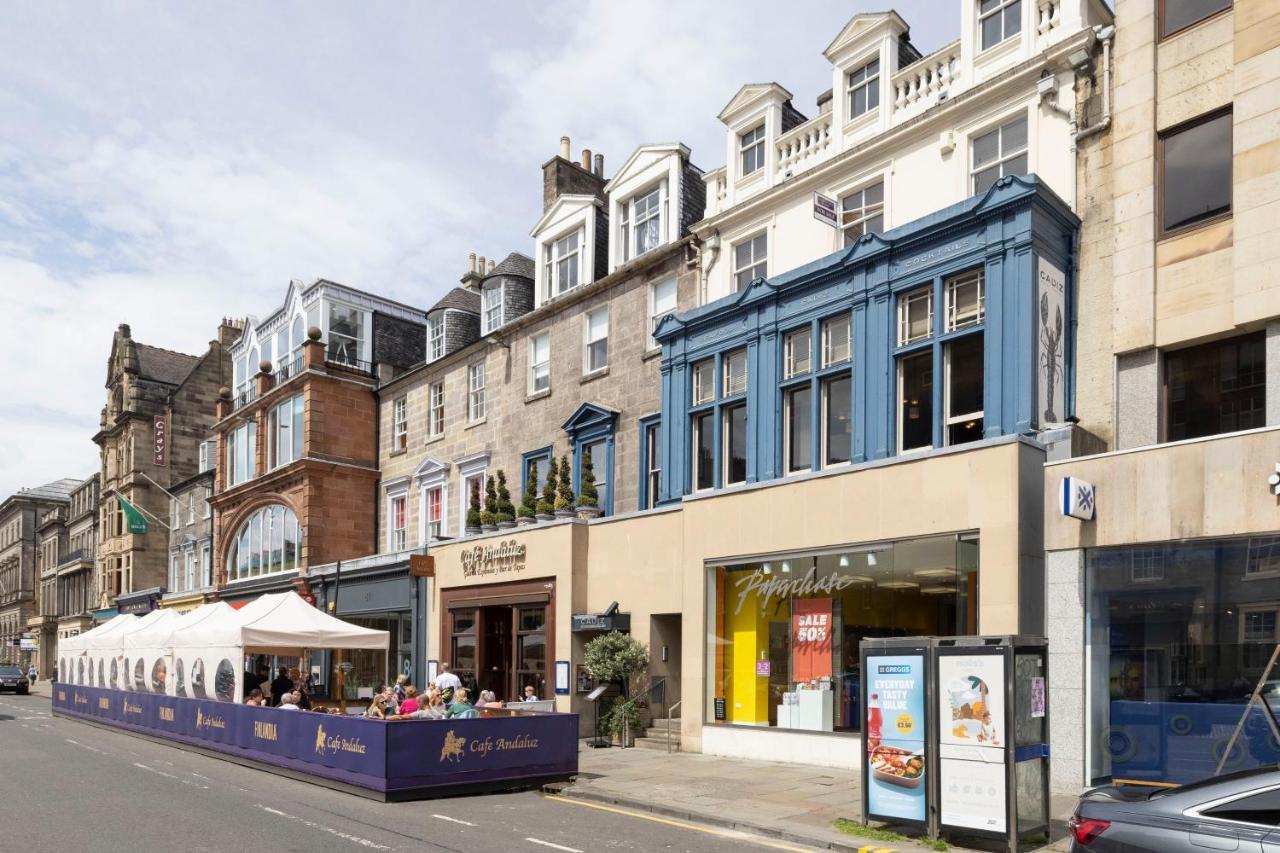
(135,520)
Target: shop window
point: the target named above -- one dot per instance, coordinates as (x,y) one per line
(1194,172)
(915,398)
(531,650)
(864,88)
(798,423)
(915,316)
(1216,388)
(735,444)
(400,424)
(798,353)
(999,152)
(966,305)
(779,656)
(704,452)
(1177,15)
(704,387)
(837,420)
(964,406)
(998,20)
(462,647)
(735,373)
(750,261)
(836,340)
(862,212)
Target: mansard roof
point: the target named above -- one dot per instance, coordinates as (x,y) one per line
(514,264)
(459,299)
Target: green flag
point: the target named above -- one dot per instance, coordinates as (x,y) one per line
(137,523)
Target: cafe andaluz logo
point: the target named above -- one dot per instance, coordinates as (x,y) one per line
(204,721)
(327,744)
(453,748)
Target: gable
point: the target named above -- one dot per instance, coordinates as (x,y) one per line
(589,415)
(861,26)
(749,95)
(643,158)
(564,207)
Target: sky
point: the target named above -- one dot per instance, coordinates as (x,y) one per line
(169,164)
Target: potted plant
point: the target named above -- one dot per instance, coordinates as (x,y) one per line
(489,515)
(588,501)
(546,505)
(473,513)
(624,660)
(564,490)
(505,514)
(529,500)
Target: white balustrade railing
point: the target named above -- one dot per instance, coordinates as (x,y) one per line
(804,145)
(924,79)
(1048,16)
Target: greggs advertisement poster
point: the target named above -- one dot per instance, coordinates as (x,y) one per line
(895,737)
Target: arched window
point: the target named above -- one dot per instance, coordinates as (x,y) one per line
(268,542)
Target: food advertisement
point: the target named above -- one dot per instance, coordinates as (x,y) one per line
(894,736)
(811,639)
(972,720)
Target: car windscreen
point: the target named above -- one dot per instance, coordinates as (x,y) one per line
(9,672)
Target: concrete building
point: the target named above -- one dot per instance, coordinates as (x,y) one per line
(158,413)
(75,590)
(190,580)
(21,515)
(1173,551)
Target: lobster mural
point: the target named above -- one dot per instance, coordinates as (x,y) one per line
(1050,356)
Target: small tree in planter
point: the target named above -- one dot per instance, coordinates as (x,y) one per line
(489,515)
(505,514)
(588,499)
(529,500)
(547,503)
(473,511)
(564,490)
(624,660)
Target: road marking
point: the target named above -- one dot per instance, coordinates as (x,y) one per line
(679,824)
(170,776)
(452,819)
(554,846)
(355,839)
(85,746)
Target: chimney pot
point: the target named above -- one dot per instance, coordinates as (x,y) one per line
(586,159)
(491,266)
(472,259)
(480,265)
(599,165)
(564,147)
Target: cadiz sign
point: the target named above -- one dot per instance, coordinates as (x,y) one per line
(507,556)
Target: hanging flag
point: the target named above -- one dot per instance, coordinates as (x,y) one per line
(137,523)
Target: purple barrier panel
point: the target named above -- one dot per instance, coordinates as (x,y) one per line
(444,753)
(352,744)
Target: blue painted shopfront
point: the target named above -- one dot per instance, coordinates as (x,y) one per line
(1018,235)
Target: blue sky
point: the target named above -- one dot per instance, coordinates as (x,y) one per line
(166,165)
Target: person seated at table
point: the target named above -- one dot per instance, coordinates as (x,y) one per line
(461,706)
(378,707)
(530,695)
(255,697)
(410,703)
(289,701)
(399,687)
(488,700)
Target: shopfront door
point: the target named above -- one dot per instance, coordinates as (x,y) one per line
(495,667)
(499,637)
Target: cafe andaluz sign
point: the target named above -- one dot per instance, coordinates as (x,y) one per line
(480,560)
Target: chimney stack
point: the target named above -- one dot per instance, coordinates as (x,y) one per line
(586,159)
(599,165)
(480,264)
(475,272)
(471,259)
(564,147)
(562,176)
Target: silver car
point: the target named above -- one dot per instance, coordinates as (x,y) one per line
(1237,812)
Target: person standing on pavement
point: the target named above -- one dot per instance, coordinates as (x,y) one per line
(33,674)
(447,683)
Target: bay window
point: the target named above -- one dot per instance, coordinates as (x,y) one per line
(285,432)
(475,392)
(595,354)
(539,362)
(267,542)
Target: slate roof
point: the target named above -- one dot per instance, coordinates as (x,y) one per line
(58,490)
(164,365)
(514,264)
(460,299)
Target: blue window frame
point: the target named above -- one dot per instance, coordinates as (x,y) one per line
(591,429)
(540,457)
(722,448)
(650,444)
(815,397)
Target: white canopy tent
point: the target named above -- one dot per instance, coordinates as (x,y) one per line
(76,665)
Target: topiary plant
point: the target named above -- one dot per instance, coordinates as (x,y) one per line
(619,658)
(489,515)
(529,501)
(587,495)
(547,502)
(564,488)
(473,509)
(504,510)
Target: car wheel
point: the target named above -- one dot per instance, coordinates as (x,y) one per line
(24,693)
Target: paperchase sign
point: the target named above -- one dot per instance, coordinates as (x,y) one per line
(506,556)
(386,760)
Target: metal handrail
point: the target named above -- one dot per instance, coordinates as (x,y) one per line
(669,713)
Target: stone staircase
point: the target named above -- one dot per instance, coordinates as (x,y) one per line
(655,737)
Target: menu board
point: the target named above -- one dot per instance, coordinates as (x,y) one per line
(811,639)
(894,735)
(972,740)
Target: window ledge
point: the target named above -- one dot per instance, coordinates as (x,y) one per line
(432,439)
(999,51)
(474,424)
(863,120)
(1184,230)
(401,452)
(594,375)
(537,395)
(652,352)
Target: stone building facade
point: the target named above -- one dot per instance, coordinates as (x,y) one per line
(190,580)
(51,545)
(21,515)
(158,413)
(76,591)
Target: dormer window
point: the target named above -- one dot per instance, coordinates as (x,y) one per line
(435,337)
(346,330)
(864,89)
(642,223)
(751,150)
(492,308)
(562,260)
(998,20)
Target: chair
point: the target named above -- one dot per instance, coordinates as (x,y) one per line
(469,714)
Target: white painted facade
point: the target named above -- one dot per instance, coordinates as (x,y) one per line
(917,140)
(650,168)
(569,216)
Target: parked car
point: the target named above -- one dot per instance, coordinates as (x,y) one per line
(13,678)
(1236,811)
